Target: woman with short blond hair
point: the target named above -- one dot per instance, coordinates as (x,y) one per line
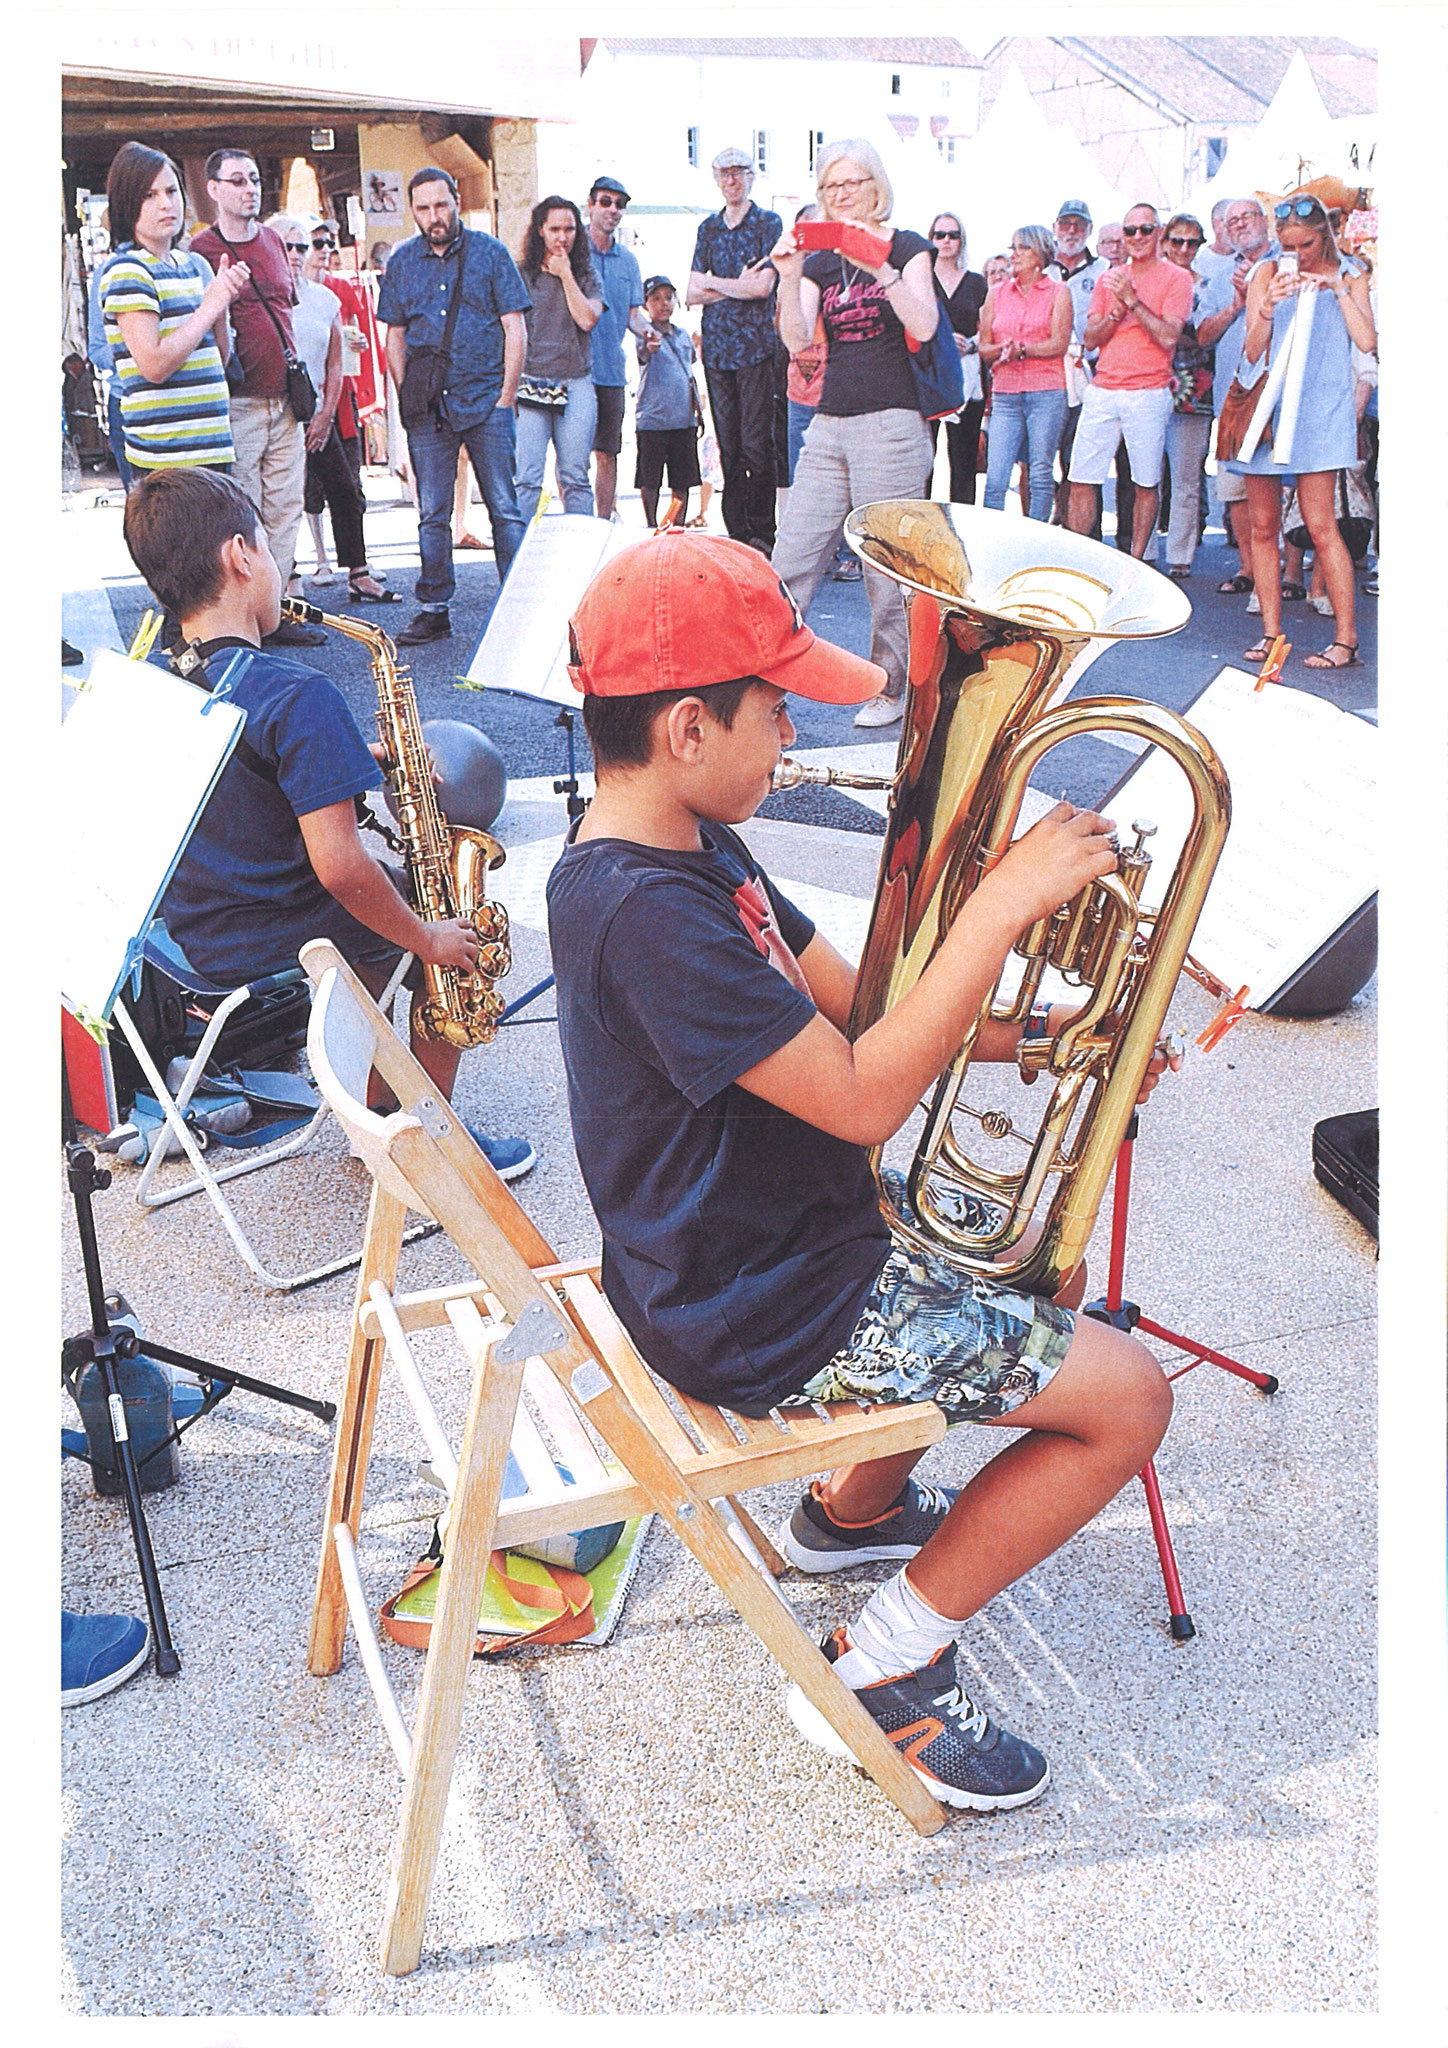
(867,440)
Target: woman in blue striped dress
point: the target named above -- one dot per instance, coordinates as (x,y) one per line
(166,322)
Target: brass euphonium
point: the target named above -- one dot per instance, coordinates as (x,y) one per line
(1004,617)
(447,865)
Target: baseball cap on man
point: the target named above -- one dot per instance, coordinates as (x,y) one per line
(684,610)
(603,184)
(1075,207)
(733,159)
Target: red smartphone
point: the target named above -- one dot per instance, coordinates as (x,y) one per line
(818,234)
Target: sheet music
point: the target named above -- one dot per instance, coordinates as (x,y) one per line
(1301,855)
(525,647)
(140,752)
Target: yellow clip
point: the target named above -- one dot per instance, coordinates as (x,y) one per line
(145,640)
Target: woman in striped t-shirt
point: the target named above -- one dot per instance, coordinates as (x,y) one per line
(166,322)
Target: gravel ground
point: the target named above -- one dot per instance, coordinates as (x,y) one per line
(638,1829)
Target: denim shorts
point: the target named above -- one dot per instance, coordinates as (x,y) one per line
(929,1332)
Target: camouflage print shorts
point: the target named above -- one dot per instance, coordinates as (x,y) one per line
(929,1332)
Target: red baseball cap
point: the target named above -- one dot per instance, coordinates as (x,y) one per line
(684,610)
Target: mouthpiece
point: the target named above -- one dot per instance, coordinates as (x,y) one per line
(794,774)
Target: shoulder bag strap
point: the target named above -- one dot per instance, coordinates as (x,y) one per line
(457,299)
(289,353)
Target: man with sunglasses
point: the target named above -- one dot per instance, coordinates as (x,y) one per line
(1137,313)
(623,313)
(271,456)
(733,279)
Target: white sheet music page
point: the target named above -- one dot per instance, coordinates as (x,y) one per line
(1301,856)
(140,752)
(525,647)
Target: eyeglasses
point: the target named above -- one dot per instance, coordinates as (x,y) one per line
(251,178)
(945,234)
(1142,228)
(612,201)
(845,185)
(301,248)
(1304,209)
(1185,241)
(1244,220)
(324,248)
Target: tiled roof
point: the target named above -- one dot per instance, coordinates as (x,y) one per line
(1226,78)
(941,51)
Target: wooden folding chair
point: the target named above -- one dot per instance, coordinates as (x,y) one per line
(687,1467)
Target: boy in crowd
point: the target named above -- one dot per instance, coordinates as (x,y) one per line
(722,1117)
(669,416)
(276,858)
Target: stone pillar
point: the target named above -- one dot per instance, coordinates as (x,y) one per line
(515,177)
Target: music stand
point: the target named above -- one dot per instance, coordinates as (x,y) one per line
(1126,1315)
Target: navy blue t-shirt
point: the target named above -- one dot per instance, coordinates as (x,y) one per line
(245,897)
(739,1243)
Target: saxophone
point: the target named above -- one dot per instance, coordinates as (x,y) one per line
(447,865)
(1005,615)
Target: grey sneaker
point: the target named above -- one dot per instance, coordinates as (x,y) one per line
(950,1743)
(813,1543)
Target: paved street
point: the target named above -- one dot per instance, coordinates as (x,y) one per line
(637,1829)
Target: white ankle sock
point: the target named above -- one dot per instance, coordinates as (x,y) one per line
(896,1631)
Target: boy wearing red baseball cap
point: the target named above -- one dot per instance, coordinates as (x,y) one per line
(722,1121)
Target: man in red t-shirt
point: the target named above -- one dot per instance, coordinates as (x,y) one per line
(271,458)
(1137,312)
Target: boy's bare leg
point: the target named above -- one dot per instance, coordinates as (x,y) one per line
(1093,1428)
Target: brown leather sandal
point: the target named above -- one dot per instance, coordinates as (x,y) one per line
(1322,660)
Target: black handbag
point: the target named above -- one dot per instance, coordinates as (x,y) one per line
(301,391)
(425,379)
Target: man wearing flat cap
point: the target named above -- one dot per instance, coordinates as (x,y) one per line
(732,278)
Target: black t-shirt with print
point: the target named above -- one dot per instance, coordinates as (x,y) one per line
(868,367)
(739,1243)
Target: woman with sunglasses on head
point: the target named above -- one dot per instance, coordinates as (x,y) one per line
(332,480)
(867,440)
(1190,427)
(1325,436)
(1025,331)
(964,293)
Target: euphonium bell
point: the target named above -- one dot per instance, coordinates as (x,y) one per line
(1005,615)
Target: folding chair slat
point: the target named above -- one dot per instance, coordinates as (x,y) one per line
(583,1507)
(575,1445)
(597,1322)
(535,1459)
(713,1429)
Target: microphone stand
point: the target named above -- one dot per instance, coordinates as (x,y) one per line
(567,787)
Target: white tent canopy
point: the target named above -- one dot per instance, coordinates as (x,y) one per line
(1296,140)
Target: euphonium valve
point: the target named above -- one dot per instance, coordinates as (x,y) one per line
(1005,616)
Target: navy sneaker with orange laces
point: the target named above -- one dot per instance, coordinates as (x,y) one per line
(954,1748)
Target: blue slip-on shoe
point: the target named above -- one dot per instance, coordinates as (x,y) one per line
(952,1745)
(98,1652)
(510,1158)
(814,1543)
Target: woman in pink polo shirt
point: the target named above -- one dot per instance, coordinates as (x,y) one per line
(1025,330)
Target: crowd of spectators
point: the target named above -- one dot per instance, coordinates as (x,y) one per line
(1080,369)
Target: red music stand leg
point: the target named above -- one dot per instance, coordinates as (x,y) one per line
(1124,1315)
(1181,1622)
